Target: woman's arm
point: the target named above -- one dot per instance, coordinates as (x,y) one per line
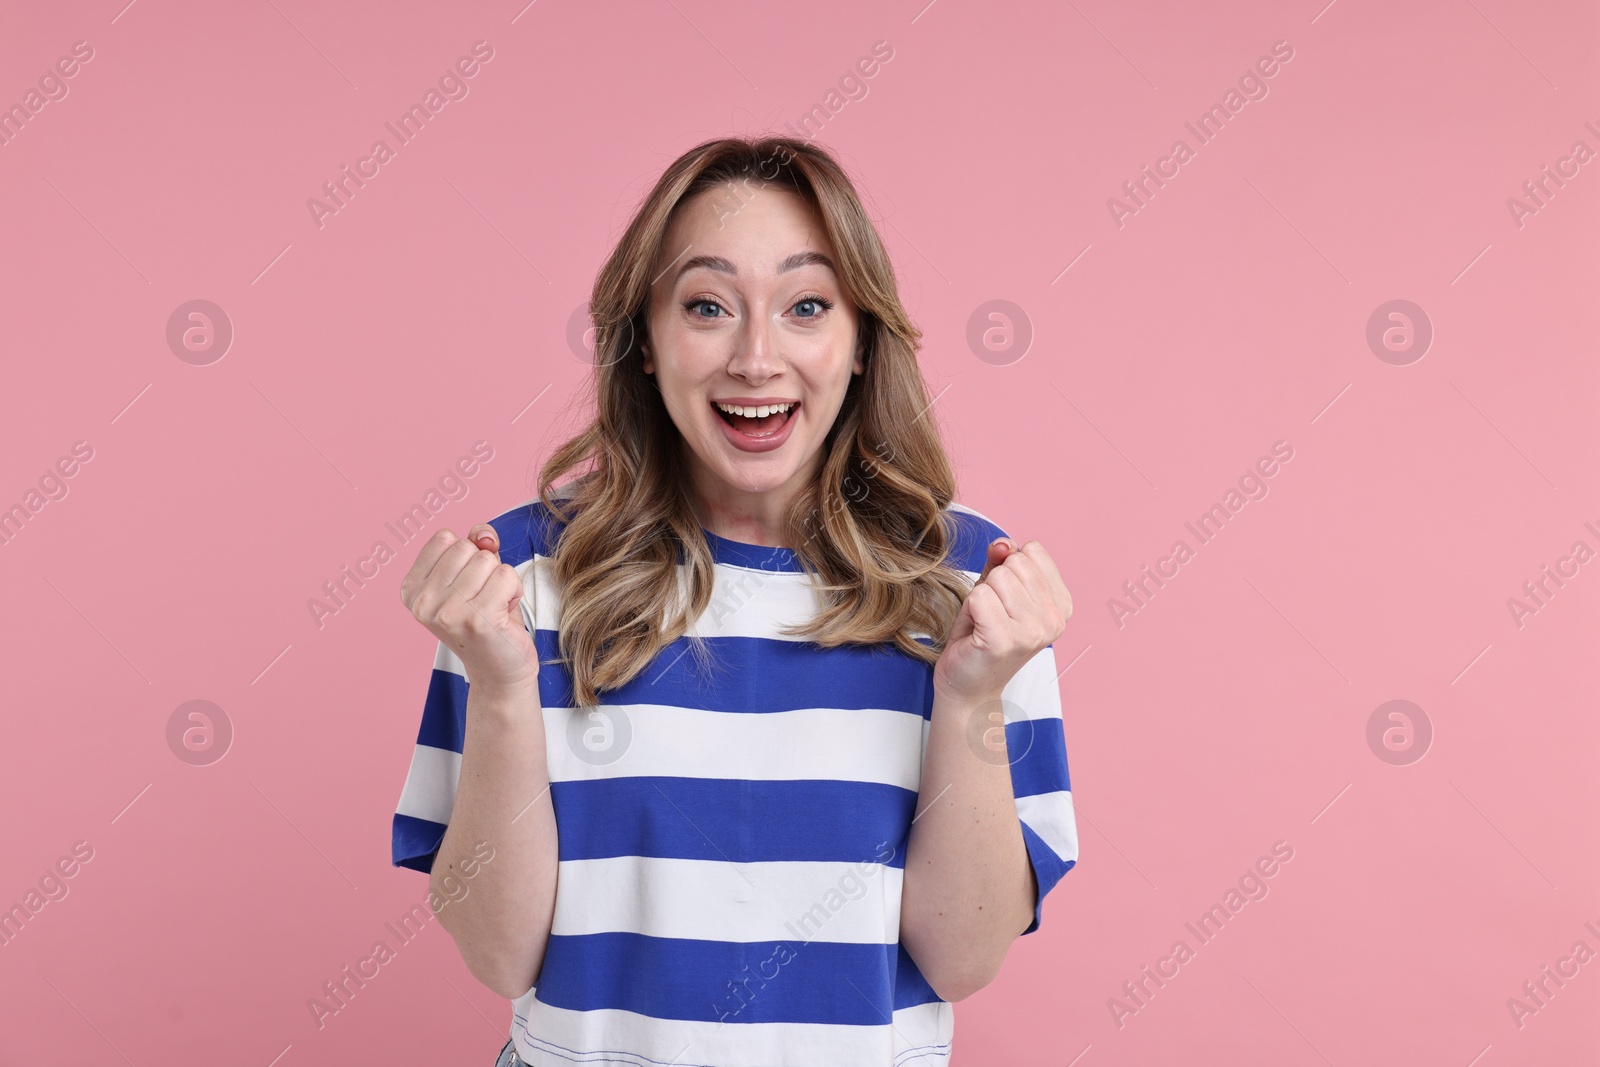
(969,887)
(502,924)
(473,603)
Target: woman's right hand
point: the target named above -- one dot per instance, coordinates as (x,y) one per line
(471,601)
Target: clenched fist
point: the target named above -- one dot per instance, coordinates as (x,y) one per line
(1018,606)
(471,601)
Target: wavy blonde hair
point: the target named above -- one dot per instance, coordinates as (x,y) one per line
(871,530)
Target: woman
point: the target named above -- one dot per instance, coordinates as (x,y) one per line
(763,734)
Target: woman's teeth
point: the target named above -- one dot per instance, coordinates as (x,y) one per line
(754,412)
(755,420)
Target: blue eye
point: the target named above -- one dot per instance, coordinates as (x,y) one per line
(823,305)
(820,305)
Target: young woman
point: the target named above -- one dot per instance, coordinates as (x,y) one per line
(744,747)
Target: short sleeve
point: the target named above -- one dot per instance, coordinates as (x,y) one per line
(423,812)
(428,796)
(1035,741)
(1036,746)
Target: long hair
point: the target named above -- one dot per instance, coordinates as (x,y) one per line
(871,530)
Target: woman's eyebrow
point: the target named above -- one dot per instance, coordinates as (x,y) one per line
(720,263)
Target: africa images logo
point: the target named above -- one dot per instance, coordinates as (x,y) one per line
(452,86)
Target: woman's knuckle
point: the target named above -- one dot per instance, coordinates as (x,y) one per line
(448,614)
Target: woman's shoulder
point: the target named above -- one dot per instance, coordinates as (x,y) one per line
(972,533)
(530,529)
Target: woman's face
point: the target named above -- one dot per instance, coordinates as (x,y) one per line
(746,311)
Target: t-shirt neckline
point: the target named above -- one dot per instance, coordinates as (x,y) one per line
(760,557)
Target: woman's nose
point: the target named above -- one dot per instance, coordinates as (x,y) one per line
(755,354)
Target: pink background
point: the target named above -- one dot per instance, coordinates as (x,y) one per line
(1229,313)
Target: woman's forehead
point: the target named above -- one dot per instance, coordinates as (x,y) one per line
(743,223)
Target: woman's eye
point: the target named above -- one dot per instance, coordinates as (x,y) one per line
(816,304)
(810,307)
(693,307)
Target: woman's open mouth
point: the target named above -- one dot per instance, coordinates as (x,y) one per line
(756,428)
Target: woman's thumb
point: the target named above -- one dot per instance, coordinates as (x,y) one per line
(1000,546)
(483,536)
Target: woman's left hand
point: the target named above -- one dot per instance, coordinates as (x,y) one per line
(1018,606)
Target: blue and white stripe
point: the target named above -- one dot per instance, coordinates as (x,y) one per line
(729,887)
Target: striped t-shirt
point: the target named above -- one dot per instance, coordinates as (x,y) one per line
(732,846)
